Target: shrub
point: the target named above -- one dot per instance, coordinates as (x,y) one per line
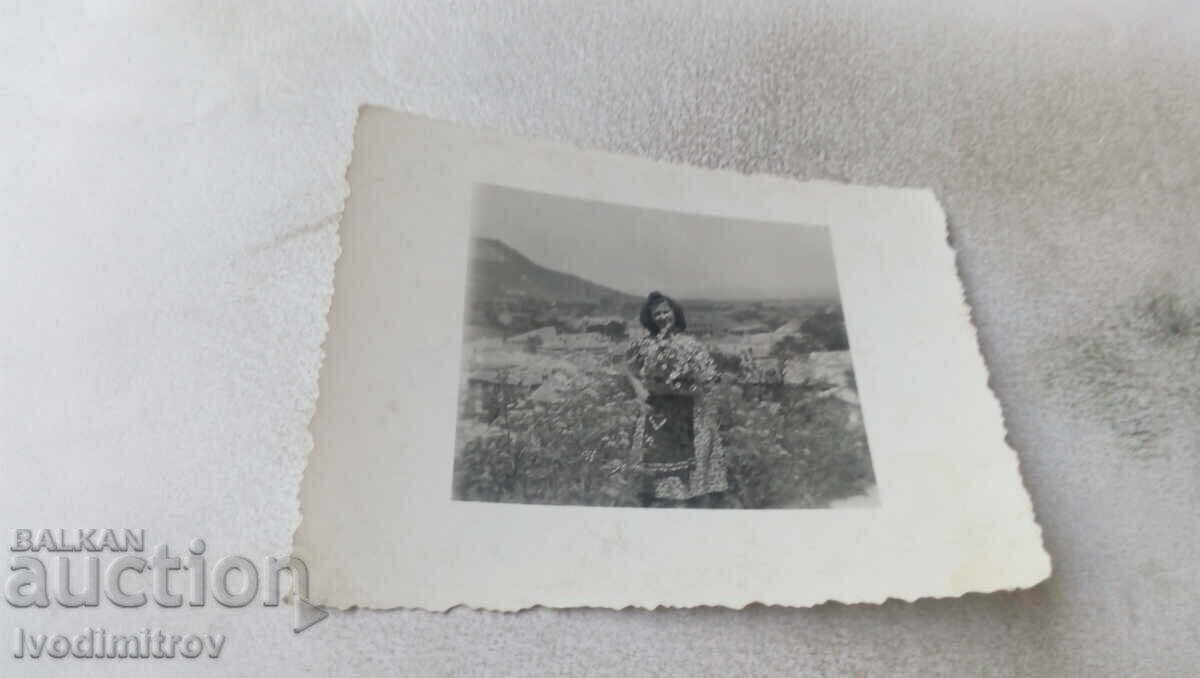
(576,450)
(804,451)
(828,328)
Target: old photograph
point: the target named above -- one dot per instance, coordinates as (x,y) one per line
(621,356)
(562,377)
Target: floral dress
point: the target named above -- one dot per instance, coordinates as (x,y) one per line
(676,441)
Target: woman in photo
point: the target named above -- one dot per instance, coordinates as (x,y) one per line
(676,439)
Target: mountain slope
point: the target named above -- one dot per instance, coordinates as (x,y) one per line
(498,271)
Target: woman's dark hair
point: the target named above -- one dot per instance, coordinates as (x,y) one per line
(647,314)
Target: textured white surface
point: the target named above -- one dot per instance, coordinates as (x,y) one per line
(168,177)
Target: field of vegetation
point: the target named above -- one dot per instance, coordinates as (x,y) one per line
(547,418)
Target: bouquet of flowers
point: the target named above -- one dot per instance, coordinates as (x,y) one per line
(679,365)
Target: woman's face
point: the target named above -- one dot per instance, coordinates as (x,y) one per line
(664,316)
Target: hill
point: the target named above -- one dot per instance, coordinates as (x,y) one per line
(498,271)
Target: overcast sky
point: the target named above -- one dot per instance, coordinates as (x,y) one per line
(637,250)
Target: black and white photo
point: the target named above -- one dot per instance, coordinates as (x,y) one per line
(621,356)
